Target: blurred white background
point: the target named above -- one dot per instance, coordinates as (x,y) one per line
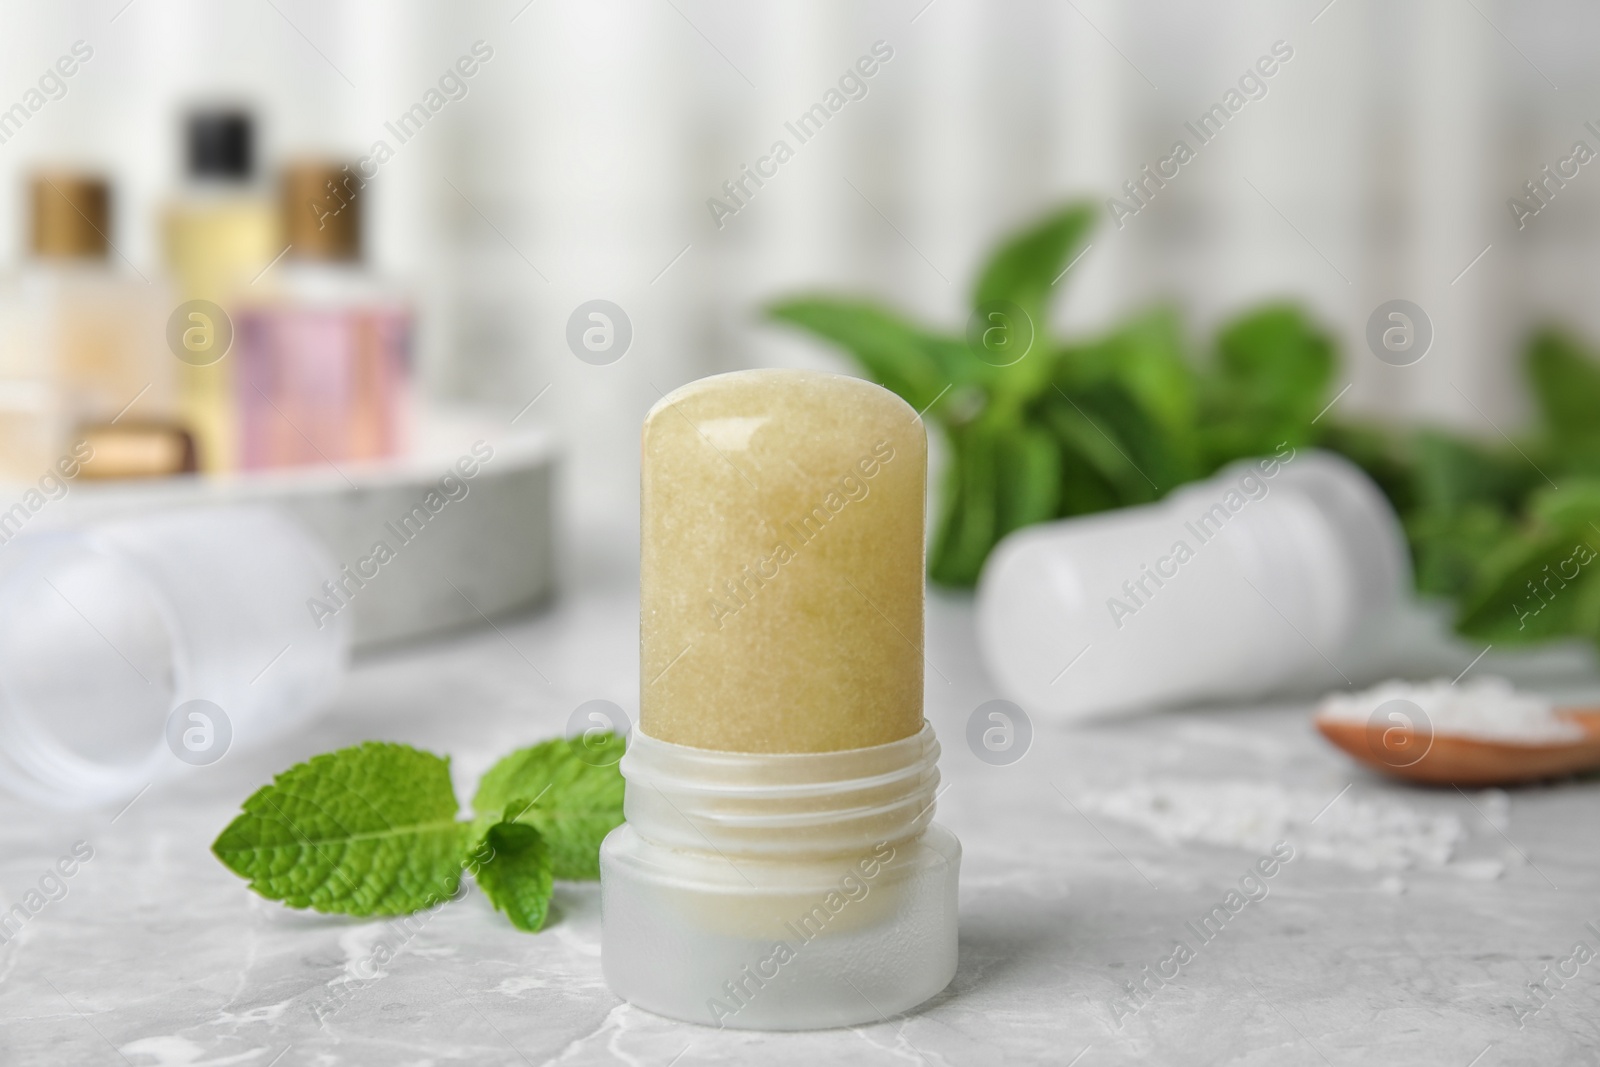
(578,166)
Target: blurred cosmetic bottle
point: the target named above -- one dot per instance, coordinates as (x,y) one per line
(221,233)
(82,350)
(324,364)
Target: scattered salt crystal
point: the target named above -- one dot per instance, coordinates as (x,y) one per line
(1367,834)
(1486,708)
(1495,806)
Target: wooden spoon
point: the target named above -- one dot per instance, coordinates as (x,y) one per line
(1448,759)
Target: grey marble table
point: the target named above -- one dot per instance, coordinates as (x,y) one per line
(158,955)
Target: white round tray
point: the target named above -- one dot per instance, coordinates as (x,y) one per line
(488,553)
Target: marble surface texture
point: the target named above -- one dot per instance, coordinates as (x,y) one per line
(158,955)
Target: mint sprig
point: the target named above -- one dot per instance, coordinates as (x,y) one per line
(375,829)
(566,788)
(517,876)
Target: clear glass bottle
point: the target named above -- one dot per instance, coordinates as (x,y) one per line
(324,365)
(220,234)
(82,349)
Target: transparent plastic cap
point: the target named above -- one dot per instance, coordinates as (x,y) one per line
(779,891)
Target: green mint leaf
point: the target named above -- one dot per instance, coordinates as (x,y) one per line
(1027,263)
(1536,588)
(569,789)
(1027,478)
(515,872)
(1454,553)
(1270,378)
(1142,362)
(1566,384)
(1112,436)
(898,354)
(1023,272)
(967,528)
(1572,507)
(1453,473)
(368,830)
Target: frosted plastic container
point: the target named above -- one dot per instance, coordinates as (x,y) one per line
(1288,567)
(136,648)
(779,891)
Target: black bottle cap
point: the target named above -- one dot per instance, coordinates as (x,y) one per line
(221,145)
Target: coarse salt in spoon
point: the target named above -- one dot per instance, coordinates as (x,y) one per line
(1481,733)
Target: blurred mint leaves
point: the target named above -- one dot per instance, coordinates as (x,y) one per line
(1073,427)
(375,829)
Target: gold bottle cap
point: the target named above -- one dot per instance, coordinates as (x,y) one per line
(137,450)
(71,215)
(322,210)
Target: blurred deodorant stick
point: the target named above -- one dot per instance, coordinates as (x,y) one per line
(1261,578)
